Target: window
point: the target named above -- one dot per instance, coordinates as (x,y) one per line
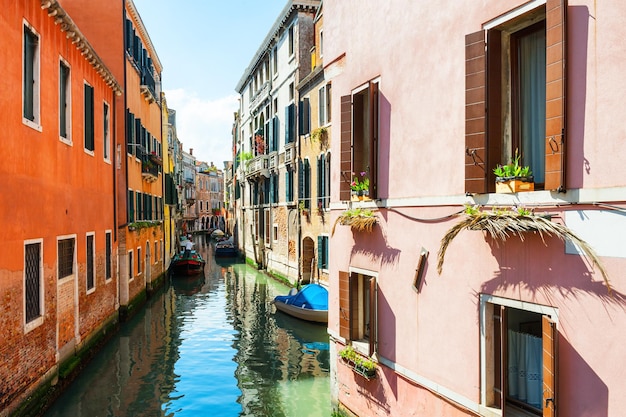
(324,105)
(321,44)
(267,224)
(64,101)
(275,232)
(131,272)
(304,117)
(90,264)
(131,206)
(65,249)
(106,132)
(138,261)
(291,40)
(323,181)
(275,61)
(289,185)
(89,118)
(290,123)
(33,283)
(515,96)
(357,310)
(518,355)
(108,258)
(359,137)
(304,183)
(292,92)
(156,252)
(31,78)
(322,252)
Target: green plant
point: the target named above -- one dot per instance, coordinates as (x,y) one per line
(348,354)
(320,134)
(513,169)
(360,185)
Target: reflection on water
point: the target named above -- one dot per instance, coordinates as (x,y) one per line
(210,345)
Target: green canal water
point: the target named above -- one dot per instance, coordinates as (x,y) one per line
(209,346)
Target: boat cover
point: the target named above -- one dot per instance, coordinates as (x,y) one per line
(312,296)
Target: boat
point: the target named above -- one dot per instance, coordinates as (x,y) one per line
(187,262)
(310,303)
(225,249)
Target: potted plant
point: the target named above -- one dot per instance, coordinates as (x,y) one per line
(513,177)
(364,366)
(303,210)
(360,187)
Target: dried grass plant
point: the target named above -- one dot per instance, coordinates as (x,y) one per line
(500,225)
(358,219)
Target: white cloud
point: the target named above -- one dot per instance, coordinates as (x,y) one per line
(204,124)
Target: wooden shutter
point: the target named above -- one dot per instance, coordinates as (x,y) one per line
(344,305)
(556,86)
(303,117)
(131,206)
(475,117)
(269,131)
(300,180)
(345,156)
(373,316)
(307,184)
(549,340)
(373,139)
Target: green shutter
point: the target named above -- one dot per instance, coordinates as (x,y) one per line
(89,116)
(131,206)
(320,252)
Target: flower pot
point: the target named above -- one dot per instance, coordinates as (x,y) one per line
(514,185)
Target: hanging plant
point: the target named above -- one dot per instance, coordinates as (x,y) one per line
(500,224)
(359,220)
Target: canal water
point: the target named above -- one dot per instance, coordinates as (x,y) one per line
(209,346)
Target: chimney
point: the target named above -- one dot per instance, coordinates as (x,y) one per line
(191,151)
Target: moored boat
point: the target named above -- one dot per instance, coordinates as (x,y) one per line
(188,262)
(225,249)
(310,303)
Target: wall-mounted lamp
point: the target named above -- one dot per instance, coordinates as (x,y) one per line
(419,271)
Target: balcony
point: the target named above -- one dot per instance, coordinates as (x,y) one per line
(148,86)
(273,161)
(258,167)
(149,170)
(261,95)
(290,153)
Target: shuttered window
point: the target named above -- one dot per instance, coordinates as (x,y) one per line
(535,90)
(322,252)
(359,138)
(32,281)
(290,123)
(304,117)
(358,309)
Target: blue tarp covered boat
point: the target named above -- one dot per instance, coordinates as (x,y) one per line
(310,303)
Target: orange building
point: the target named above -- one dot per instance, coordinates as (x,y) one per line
(58,245)
(123,40)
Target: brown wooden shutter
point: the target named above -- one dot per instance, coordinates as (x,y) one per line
(344,305)
(373,174)
(475,118)
(556,87)
(373,316)
(549,340)
(494,106)
(345,139)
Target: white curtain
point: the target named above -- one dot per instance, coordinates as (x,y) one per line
(532,62)
(525,363)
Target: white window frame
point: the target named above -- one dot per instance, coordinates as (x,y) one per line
(109,233)
(74,265)
(35,124)
(29,326)
(131,266)
(106,134)
(139,269)
(485,362)
(362,345)
(93,267)
(68,98)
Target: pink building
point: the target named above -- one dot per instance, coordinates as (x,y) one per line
(430,98)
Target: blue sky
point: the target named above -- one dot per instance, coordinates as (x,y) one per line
(205,46)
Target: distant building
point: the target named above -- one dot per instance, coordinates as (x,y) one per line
(266,142)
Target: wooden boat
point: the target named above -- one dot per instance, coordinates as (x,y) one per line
(310,303)
(225,249)
(188,262)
